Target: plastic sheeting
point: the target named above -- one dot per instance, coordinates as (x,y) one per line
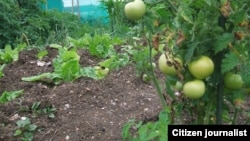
(88,10)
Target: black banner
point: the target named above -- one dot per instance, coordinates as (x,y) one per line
(208,132)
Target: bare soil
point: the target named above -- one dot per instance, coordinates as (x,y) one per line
(86,109)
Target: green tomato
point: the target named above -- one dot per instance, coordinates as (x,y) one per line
(135,10)
(194,89)
(233,81)
(146,78)
(178,86)
(166,68)
(202,67)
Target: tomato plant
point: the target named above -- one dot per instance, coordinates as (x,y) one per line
(212,38)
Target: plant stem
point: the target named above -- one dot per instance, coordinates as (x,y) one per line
(155,81)
(219,57)
(235,116)
(172,5)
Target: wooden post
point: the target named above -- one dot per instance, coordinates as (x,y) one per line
(46,8)
(72,6)
(78,9)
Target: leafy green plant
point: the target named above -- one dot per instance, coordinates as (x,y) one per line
(67,68)
(25,129)
(103,46)
(7,96)
(8,55)
(36,110)
(42,54)
(100,46)
(155,130)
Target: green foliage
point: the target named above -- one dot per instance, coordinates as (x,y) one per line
(116,61)
(36,110)
(7,96)
(14,15)
(25,129)
(1,70)
(223,41)
(8,55)
(67,68)
(25,21)
(117,20)
(41,54)
(189,29)
(156,130)
(229,62)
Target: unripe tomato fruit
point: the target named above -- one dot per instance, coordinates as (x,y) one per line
(194,89)
(202,67)
(135,10)
(233,81)
(178,86)
(167,69)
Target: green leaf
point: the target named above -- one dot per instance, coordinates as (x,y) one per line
(164,115)
(70,70)
(31,127)
(23,122)
(18,132)
(229,61)
(10,95)
(209,2)
(55,46)
(223,41)
(8,54)
(153,135)
(88,72)
(37,77)
(190,51)
(245,73)
(41,54)
(126,129)
(68,55)
(28,136)
(1,70)
(186,13)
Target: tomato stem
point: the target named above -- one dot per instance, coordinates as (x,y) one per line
(155,81)
(235,116)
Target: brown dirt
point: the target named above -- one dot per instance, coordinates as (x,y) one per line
(87,109)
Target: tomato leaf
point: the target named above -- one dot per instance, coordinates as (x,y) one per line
(223,41)
(229,62)
(190,51)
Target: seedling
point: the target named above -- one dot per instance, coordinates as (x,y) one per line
(37,110)
(25,129)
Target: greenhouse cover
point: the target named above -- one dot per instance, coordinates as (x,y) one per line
(87,10)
